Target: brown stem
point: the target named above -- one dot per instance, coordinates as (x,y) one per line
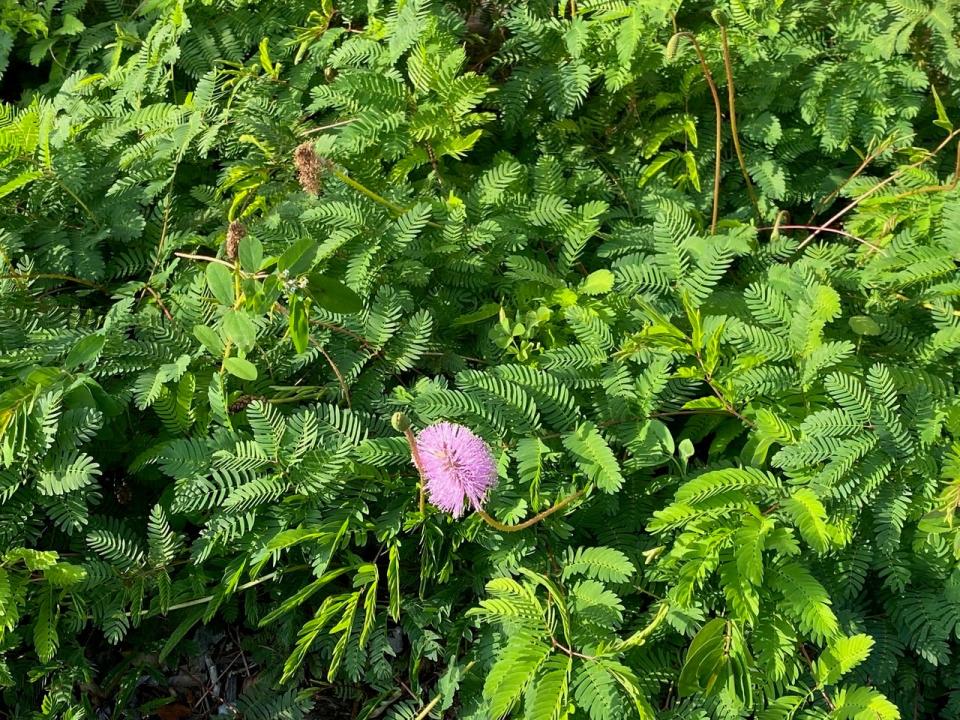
(422,715)
(870,157)
(333,366)
(336,371)
(156,296)
(708,76)
(52,276)
(835,231)
(823,690)
(557,645)
(936,188)
(879,186)
(415,454)
(331,126)
(218,261)
(503,527)
(731,102)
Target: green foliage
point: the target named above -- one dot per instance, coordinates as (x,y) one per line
(237,237)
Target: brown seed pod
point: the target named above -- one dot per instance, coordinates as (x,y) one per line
(242,402)
(235,233)
(309,167)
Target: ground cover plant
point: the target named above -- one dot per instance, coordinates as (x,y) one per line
(589,359)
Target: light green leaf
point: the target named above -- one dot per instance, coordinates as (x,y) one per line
(243,369)
(220,282)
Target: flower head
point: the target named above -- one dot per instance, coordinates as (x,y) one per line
(308,166)
(235,233)
(457,464)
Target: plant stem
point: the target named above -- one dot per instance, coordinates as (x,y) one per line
(844,233)
(823,690)
(53,276)
(503,527)
(870,157)
(718,111)
(205,258)
(879,186)
(731,102)
(433,703)
(331,126)
(415,454)
(76,199)
(377,198)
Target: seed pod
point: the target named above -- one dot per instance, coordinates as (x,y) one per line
(308,167)
(235,233)
(242,402)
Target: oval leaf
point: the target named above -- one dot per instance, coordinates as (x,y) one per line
(333,295)
(243,369)
(220,282)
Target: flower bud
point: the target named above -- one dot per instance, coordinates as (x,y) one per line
(400,422)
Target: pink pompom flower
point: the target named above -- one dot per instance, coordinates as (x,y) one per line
(458,466)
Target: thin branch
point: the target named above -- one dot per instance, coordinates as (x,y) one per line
(823,690)
(156,296)
(925,305)
(331,126)
(333,366)
(462,357)
(418,461)
(876,188)
(835,231)
(718,111)
(344,331)
(422,715)
(336,371)
(503,527)
(377,198)
(869,158)
(567,651)
(53,276)
(937,188)
(731,102)
(205,258)
(76,198)
(200,601)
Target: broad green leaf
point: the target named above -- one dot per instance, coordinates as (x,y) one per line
(250,253)
(842,655)
(220,282)
(298,258)
(85,352)
(333,295)
(209,339)
(298,324)
(238,326)
(24,178)
(599,282)
(243,369)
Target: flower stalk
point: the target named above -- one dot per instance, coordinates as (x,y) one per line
(503,527)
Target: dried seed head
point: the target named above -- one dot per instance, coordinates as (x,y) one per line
(235,233)
(243,402)
(309,166)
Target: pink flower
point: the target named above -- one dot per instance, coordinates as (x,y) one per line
(457,465)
